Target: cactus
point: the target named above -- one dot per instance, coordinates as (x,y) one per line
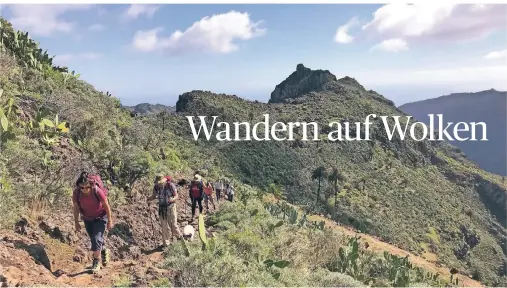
(303,221)
(322,225)
(272,226)
(279,264)
(454,280)
(202,232)
(186,251)
(293,216)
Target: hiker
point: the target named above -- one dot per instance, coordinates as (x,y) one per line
(90,200)
(167,195)
(226,191)
(208,195)
(230,192)
(196,194)
(219,186)
(188,233)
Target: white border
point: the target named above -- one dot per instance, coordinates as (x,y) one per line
(248,2)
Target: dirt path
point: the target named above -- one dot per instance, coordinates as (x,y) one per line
(33,257)
(378,246)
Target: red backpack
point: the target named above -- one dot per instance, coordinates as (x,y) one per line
(195,189)
(208,189)
(168,187)
(96,181)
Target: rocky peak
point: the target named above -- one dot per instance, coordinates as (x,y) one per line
(301,82)
(350,83)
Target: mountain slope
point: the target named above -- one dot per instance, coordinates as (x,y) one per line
(54,125)
(489,107)
(424,196)
(147,109)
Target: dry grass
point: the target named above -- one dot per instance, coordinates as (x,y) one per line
(37,210)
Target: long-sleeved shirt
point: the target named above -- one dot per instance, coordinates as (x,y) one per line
(168,191)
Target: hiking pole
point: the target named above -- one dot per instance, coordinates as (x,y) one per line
(152,224)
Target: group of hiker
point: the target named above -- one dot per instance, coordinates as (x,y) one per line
(90,200)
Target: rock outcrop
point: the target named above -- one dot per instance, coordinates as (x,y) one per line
(301,82)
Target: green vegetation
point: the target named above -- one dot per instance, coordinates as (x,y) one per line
(404,192)
(162,282)
(123,281)
(256,248)
(54,125)
(418,195)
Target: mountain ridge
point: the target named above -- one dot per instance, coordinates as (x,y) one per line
(148,108)
(416,168)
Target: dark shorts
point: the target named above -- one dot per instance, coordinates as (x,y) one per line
(95,229)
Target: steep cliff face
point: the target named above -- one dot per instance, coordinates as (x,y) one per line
(300,82)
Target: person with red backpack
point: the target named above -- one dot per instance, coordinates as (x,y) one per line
(167,195)
(208,196)
(196,194)
(90,200)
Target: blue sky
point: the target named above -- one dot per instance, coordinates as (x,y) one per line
(405,52)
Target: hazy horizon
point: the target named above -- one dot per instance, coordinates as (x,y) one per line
(264,99)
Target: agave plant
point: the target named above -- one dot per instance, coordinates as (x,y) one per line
(49,130)
(7,117)
(270,264)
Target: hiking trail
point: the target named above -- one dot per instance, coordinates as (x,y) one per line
(48,252)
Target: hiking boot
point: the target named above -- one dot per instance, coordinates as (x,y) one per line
(105,257)
(96,266)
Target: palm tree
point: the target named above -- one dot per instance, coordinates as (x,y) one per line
(334,177)
(318,174)
(276,190)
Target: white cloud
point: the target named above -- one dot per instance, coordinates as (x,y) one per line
(96,27)
(65,59)
(43,20)
(342,33)
(502,54)
(136,10)
(215,34)
(146,41)
(429,21)
(392,45)
(424,23)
